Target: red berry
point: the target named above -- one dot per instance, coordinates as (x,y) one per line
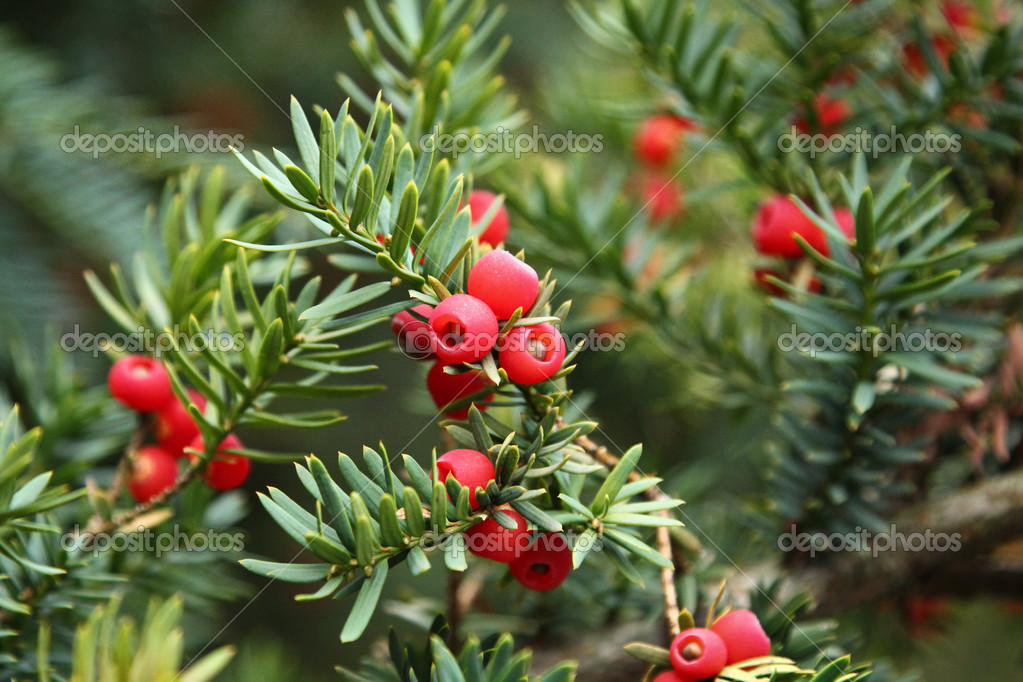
(545,564)
(479,203)
(960,15)
(225,471)
(775,225)
(153,470)
(491,540)
(659,138)
(504,283)
(829,115)
(415,337)
(446,388)
(915,62)
(847,222)
(743,636)
(698,653)
(466,329)
(174,428)
(140,383)
(662,197)
(673,676)
(531,354)
(471,468)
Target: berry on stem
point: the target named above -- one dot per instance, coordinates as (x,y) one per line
(743,635)
(174,428)
(491,540)
(504,283)
(415,337)
(466,329)
(225,471)
(471,468)
(496,231)
(659,138)
(140,383)
(531,354)
(698,653)
(153,470)
(446,388)
(545,564)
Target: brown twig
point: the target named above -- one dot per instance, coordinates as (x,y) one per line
(664,540)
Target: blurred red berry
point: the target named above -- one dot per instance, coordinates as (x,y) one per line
(471,468)
(174,428)
(140,383)
(504,283)
(777,222)
(915,62)
(153,470)
(659,138)
(829,115)
(662,197)
(962,16)
(225,471)
(497,230)
(543,565)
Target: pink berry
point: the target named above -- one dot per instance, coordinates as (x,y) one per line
(415,337)
(504,283)
(698,653)
(153,470)
(471,468)
(446,388)
(743,636)
(545,564)
(466,329)
(479,203)
(491,540)
(225,471)
(174,428)
(139,382)
(659,138)
(531,354)
(672,676)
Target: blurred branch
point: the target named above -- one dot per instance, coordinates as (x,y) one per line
(983,518)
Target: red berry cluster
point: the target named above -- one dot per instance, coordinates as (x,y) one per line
(464,328)
(657,144)
(142,384)
(701,653)
(539,564)
(775,226)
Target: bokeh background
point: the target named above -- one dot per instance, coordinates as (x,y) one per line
(231,66)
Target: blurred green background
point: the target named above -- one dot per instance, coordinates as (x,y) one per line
(231,66)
